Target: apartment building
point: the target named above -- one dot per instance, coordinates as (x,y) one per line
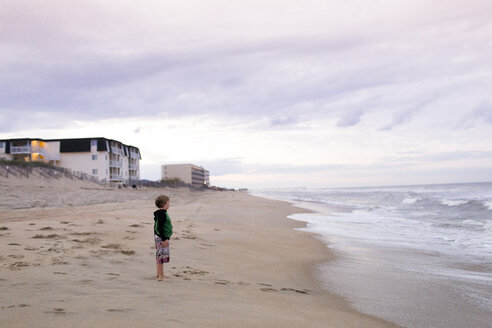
(188,173)
(106,159)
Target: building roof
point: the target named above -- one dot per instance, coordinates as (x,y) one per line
(78,144)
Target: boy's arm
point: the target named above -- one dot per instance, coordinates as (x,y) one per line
(160,226)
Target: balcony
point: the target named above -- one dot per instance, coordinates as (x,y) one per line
(115,163)
(20,150)
(133,167)
(115,177)
(46,155)
(116,150)
(134,154)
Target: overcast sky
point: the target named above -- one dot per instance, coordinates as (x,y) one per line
(261,93)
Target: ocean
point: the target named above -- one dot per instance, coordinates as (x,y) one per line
(418,256)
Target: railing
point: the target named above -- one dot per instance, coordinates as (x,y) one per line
(133,167)
(115,177)
(46,155)
(116,150)
(20,150)
(133,154)
(115,163)
(197,175)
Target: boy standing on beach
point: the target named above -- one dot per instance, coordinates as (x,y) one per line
(163,229)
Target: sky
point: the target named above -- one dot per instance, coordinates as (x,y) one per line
(261,93)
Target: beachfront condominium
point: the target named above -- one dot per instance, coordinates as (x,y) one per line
(106,159)
(188,173)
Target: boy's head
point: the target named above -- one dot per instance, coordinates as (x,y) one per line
(161,201)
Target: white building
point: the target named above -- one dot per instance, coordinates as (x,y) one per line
(188,173)
(106,159)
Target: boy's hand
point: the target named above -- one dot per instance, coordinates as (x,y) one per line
(166,243)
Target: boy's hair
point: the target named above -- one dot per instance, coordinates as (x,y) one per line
(161,200)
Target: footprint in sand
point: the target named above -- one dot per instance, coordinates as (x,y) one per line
(18,265)
(118,310)
(19,305)
(188,236)
(190,271)
(222,282)
(300,291)
(90,241)
(52,236)
(3,228)
(136,226)
(46,228)
(83,233)
(268,289)
(112,246)
(57,311)
(127,252)
(14,244)
(58,261)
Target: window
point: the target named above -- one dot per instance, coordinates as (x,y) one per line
(94,171)
(2,144)
(94,157)
(93,142)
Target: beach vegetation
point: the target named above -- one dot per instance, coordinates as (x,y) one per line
(173,182)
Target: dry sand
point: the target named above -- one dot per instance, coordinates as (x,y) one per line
(75,254)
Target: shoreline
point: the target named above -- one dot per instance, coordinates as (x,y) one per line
(236,259)
(371,278)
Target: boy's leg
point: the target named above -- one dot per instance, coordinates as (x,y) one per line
(160,270)
(163,275)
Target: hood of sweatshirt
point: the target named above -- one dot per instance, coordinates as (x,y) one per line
(159,213)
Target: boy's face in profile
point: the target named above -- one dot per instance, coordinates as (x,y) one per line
(166,206)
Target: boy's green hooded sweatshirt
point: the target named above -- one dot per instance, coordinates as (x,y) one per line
(162,224)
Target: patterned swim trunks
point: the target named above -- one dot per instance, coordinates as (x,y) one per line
(162,254)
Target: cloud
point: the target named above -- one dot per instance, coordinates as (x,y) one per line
(283,121)
(482,112)
(405,116)
(227,166)
(350,118)
(74,60)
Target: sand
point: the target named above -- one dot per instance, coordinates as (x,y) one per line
(76,254)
